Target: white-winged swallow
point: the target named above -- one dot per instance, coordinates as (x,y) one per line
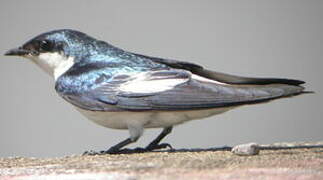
(123,90)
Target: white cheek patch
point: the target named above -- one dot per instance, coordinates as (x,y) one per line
(54,64)
(143,84)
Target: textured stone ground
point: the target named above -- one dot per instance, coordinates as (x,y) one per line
(279,161)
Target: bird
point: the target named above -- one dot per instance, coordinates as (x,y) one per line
(119,89)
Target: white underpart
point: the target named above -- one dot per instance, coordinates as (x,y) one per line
(135,122)
(54,64)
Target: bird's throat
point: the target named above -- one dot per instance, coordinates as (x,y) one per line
(54,64)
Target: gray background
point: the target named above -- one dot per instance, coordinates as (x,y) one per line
(271,38)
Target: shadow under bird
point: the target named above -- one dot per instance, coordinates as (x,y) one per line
(124,90)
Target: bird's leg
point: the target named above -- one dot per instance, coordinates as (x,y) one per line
(114,149)
(155,143)
(135,133)
(117,148)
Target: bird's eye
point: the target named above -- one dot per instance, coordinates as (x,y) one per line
(45,45)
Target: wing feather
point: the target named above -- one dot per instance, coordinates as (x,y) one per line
(219,76)
(182,86)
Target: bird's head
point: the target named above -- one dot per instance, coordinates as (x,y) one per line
(56,51)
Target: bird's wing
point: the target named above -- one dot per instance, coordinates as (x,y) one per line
(172,89)
(218,76)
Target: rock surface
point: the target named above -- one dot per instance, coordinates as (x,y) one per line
(278,161)
(249,149)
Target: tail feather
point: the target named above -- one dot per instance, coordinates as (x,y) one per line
(218,76)
(282,90)
(275,87)
(238,80)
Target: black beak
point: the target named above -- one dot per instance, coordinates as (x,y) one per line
(17,52)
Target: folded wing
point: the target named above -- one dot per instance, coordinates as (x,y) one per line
(218,76)
(174,89)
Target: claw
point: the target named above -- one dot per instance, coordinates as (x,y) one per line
(152,147)
(112,150)
(109,151)
(91,153)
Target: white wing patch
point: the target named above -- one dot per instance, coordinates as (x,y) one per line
(144,83)
(203,79)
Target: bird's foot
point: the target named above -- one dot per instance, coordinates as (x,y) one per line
(90,153)
(112,150)
(115,151)
(153,146)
